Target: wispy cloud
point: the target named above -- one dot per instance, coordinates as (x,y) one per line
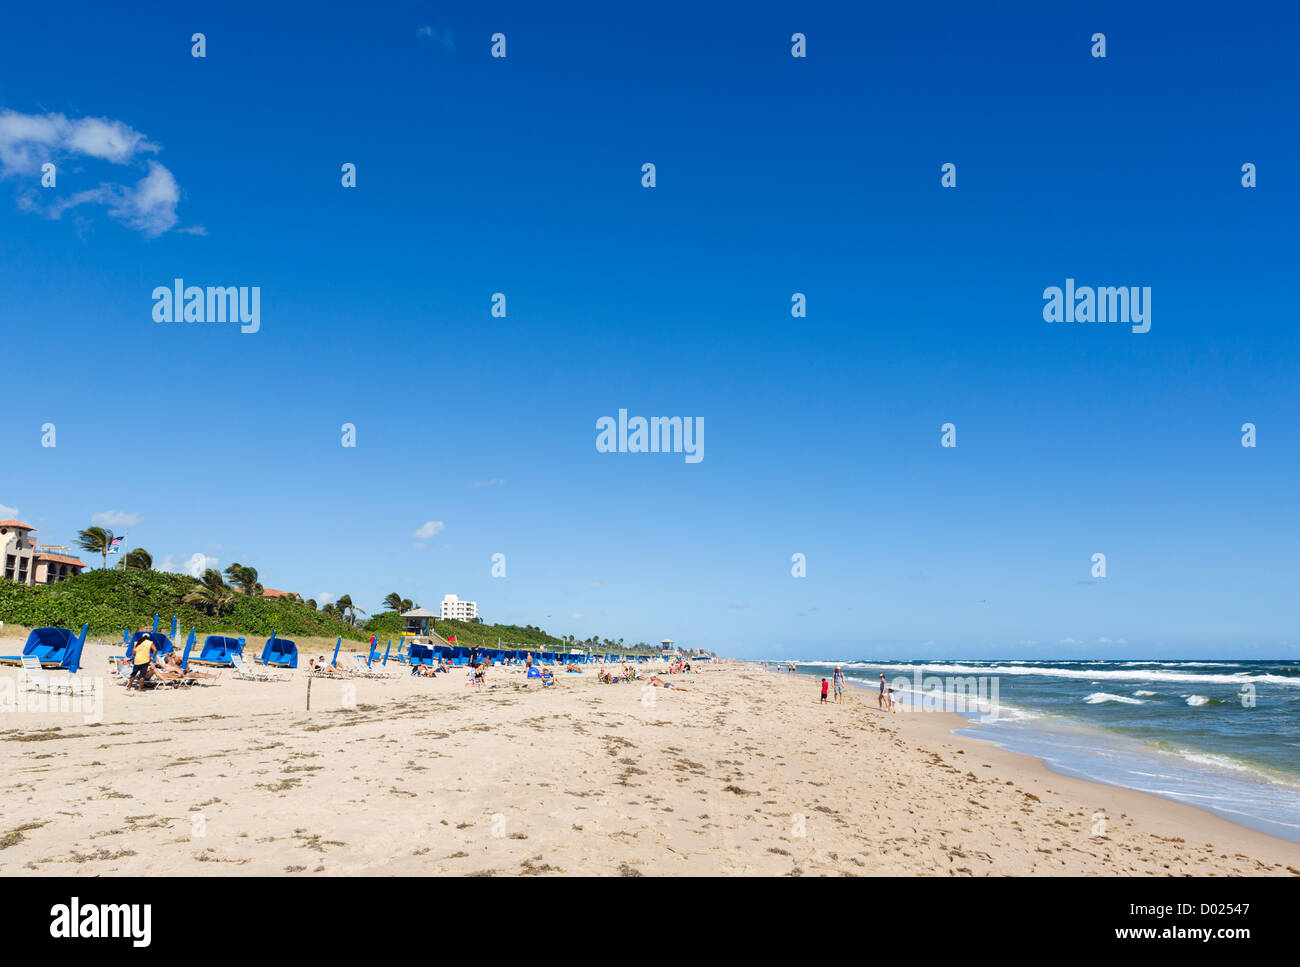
(1070,641)
(115,518)
(430,528)
(325,597)
(491,482)
(27,141)
(440,37)
(8,511)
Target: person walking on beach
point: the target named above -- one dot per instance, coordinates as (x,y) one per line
(839,684)
(824,688)
(141,661)
(880,702)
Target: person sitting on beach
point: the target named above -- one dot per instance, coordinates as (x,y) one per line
(548,677)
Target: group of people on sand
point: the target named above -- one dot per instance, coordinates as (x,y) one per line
(146,667)
(885,700)
(606,677)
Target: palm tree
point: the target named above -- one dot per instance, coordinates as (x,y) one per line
(96,540)
(138,558)
(210,594)
(395,602)
(345,605)
(245,578)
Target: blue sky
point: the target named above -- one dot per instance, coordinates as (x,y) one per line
(775,175)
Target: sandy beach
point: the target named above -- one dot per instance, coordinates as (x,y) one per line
(744,774)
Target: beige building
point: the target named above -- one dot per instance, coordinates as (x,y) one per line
(26,563)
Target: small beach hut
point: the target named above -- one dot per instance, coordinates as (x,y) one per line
(418,621)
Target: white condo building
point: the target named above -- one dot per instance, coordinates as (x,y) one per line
(458,610)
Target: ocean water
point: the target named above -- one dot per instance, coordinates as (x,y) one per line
(1224,736)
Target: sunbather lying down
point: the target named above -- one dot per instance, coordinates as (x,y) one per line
(658,682)
(170,670)
(322,667)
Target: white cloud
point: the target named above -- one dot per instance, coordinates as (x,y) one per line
(198,563)
(1070,641)
(490,482)
(28,141)
(429,529)
(8,511)
(593,584)
(1109,641)
(576,616)
(325,597)
(115,518)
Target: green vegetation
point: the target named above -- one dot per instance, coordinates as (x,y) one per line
(470,633)
(111,600)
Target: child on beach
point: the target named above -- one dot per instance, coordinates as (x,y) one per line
(825,689)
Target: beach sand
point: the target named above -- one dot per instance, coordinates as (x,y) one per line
(745,774)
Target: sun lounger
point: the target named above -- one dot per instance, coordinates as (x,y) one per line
(248,673)
(360,668)
(41,682)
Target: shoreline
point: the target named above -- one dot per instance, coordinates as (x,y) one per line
(741,772)
(1148,807)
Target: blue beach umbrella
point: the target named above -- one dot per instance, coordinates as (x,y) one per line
(189,643)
